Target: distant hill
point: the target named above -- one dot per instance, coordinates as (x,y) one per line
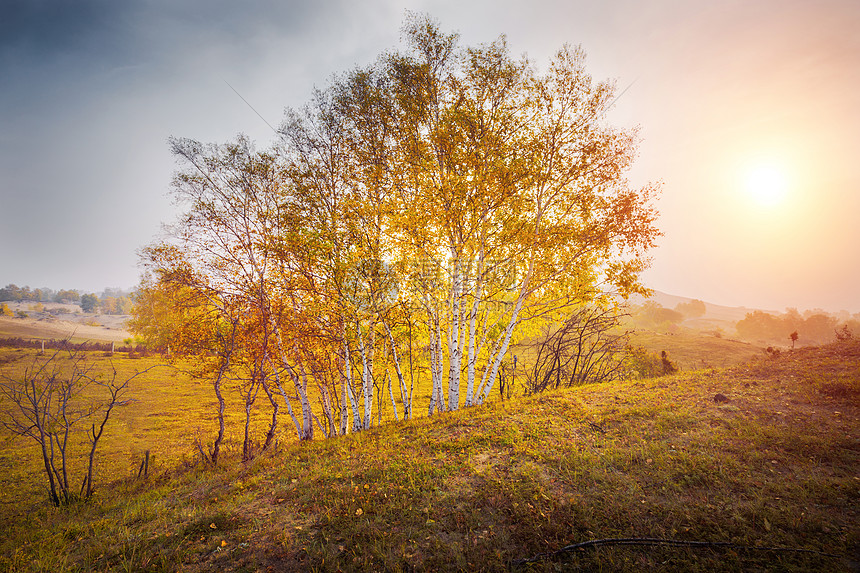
(715,312)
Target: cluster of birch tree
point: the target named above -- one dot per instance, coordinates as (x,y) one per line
(412,221)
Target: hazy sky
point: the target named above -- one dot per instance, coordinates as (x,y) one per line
(748,113)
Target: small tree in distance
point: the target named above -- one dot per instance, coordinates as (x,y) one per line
(67,297)
(89,302)
(844,333)
(692,309)
(667,365)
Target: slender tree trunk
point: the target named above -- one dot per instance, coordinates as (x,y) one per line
(345,382)
(64,399)
(435,372)
(306,431)
(96,436)
(408,413)
(353,400)
(507,336)
(216,447)
(366,381)
(287,402)
(276,407)
(473,352)
(46,458)
(63,492)
(455,355)
(400,381)
(307,414)
(250,398)
(63,477)
(391,395)
(440,359)
(344,408)
(327,409)
(222,371)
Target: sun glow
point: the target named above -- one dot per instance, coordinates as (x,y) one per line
(767,185)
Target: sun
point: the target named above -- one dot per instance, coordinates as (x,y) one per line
(767,185)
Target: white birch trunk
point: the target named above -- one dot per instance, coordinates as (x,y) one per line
(344,409)
(440,373)
(287,402)
(494,370)
(473,352)
(366,382)
(307,413)
(407,407)
(346,382)
(434,348)
(356,413)
(307,430)
(391,395)
(432,407)
(327,410)
(454,348)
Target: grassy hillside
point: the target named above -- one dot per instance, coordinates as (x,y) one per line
(774,466)
(694,350)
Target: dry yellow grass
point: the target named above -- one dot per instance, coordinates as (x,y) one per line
(77,330)
(479,489)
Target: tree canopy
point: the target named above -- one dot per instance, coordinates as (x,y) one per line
(424,212)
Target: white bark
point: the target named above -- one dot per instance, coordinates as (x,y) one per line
(366,381)
(454,349)
(327,410)
(353,401)
(473,315)
(437,397)
(391,395)
(307,429)
(407,402)
(345,382)
(287,402)
(512,323)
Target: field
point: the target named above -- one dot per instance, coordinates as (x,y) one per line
(767,480)
(77,327)
(694,350)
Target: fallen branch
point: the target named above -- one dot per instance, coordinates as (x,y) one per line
(651,541)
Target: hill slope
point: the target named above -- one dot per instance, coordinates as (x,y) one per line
(693,350)
(713,312)
(774,466)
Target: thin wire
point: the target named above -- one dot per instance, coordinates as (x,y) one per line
(252,107)
(615,99)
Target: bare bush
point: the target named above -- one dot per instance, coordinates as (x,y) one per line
(50,402)
(587,347)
